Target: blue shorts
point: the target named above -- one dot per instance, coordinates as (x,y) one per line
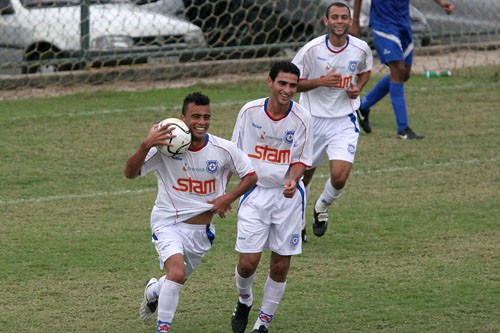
(394,44)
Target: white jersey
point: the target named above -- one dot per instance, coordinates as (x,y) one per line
(186,182)
(274,144)
(318,58)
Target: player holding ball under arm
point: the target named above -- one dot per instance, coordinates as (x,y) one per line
(191,189)
(334,69)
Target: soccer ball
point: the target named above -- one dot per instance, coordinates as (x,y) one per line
(182,139)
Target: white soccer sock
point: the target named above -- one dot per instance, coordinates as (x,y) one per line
(168,300)
(327,197)
(161,282)
(244,287)
(273,292)
(154,290)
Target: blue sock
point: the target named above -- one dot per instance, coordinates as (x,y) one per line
(376,94)
(399,105)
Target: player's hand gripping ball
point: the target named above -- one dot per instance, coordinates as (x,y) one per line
(182,140)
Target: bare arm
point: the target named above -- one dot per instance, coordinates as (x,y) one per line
(330,80)
(134,163)
(355,30)
(448,7)
(296,172)
(222,204)
(363,79)
(156,136)
(355,89)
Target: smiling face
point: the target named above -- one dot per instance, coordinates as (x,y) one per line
(197,118)
(338,21)
(283,88)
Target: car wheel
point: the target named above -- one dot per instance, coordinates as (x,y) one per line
(426,41)
(43,51)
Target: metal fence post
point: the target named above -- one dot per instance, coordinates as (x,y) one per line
(84,33)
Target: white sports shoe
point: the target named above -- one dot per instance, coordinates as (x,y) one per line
(148,308)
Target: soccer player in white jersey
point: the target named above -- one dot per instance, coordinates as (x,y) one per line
(191,189)
(275,133)
(335,67)
(390,22)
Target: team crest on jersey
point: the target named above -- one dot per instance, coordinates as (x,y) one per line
(352,66)
(289,136)
(212,166)
(294,241)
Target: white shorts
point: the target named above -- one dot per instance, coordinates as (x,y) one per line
(269,221)
(338,137)
(190,240)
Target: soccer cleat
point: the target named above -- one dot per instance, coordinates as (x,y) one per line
(148,308)
(320,223)
(239,320)
(262,329)
(408,134)
(363,119)
(304,236)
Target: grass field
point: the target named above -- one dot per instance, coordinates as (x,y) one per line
(412,246)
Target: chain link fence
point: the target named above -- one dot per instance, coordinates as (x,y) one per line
(65,42)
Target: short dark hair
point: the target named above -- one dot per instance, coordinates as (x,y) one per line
(197,98)
(285,67)
(337,4)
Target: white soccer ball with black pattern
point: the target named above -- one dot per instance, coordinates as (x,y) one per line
(182,139)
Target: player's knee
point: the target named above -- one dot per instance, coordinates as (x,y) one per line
(407,76)
(399,74)
(279,271)
(246,267)
(176,274)
(308,176)
(246,270)
(338,180)
(338,185)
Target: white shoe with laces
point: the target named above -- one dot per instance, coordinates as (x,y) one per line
(148,308)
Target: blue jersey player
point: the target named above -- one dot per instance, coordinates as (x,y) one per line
(390,23)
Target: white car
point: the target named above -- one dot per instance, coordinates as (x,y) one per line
(47,32)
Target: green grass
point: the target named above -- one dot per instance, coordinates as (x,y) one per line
(413,245)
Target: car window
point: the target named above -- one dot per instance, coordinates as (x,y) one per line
(64,3)
(143,2)
(6,7)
